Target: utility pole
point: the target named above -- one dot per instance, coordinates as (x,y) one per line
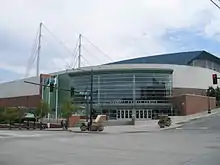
(38,50)
(79,56)
(91,97)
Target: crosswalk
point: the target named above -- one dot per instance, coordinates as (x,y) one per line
(20,134)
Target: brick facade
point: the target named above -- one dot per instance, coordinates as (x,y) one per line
(24,101)
(190,104)
(182,91)
(73,120)
(184,104)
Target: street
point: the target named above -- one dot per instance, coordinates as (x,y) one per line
(197,143)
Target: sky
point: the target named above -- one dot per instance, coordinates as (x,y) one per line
(111,30)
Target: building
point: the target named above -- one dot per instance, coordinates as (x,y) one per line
(143,87)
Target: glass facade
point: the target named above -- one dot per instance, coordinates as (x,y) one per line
(120,95)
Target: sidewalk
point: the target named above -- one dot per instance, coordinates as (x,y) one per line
(148,125)
(184,119)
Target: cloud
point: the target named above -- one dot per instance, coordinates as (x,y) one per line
(122,29)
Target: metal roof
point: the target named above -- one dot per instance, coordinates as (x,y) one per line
(182,58)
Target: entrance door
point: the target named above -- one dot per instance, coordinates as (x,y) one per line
(140,114)
(149,114)
(124,114)
(144,114)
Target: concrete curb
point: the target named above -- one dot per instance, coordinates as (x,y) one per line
(197,117)
(127,132)
(145,130)
(171,127)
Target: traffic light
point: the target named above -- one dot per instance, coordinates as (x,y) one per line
(72,91)
(215,79)
(51,87)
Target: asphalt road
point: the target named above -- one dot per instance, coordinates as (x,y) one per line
(197,143)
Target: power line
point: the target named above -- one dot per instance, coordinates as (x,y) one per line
(97,48)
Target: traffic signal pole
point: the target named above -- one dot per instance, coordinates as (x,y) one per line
(215,82)
(33,83)
(91,97)
(48,114)
(215,79)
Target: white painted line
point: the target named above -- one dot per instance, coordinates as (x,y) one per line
(203,127)
(179,128)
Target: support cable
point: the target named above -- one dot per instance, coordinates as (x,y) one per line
(74,55)
(97,48)
(33,55)
(215,4)
(86,60)
(47,42)
(86,50)
(60,41)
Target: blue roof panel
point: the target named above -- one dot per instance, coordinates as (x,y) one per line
(183,58)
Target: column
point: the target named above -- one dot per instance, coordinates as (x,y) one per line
(98,89)
(134,96)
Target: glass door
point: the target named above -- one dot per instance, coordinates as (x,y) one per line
(149,114)
(124,114)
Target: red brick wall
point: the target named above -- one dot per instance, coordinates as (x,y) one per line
(73,120)
(178,103)
(183,91)
(195,104)
(25,101)
(191,104)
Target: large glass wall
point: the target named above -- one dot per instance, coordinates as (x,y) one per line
(121,94)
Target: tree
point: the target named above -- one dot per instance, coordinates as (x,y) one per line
(42,110)
(21,114)
(2,119)
(68,108)
(217,93)
(211,92)
(11,114)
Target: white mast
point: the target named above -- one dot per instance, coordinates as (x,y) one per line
(79,56)
(38,51)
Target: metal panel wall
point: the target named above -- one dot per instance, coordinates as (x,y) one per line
(19,88)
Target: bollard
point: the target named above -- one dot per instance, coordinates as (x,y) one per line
(209,111)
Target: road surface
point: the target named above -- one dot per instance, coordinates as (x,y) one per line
(197,143)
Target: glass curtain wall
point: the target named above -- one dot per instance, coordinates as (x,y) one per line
(119,94)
